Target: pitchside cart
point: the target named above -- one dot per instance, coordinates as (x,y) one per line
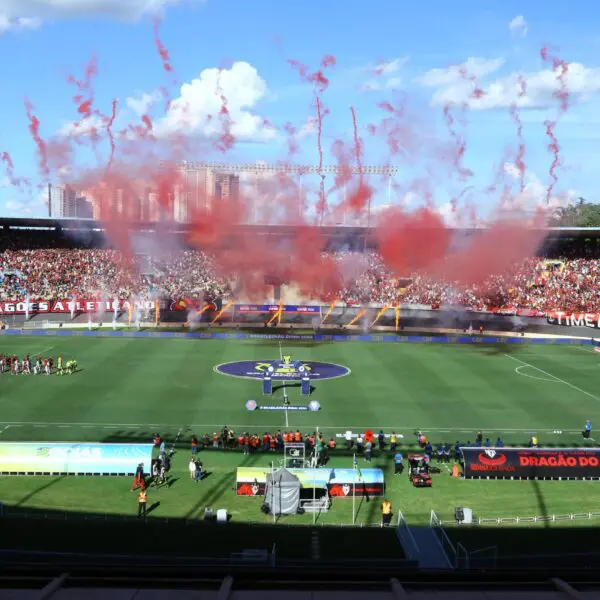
(418,470)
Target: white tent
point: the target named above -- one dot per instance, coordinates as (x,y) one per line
(282,494)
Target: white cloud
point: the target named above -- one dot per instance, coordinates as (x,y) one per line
(534,195)
(386,75)
(197,110)
(308,129)
(89,126)
(141,104)
(455,74)
(455,86)
(18,15)
(518,26)
(37,205)
(392,66)
(8,23)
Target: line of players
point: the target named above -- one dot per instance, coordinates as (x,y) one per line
(15,366)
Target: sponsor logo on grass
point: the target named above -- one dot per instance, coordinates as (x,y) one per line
(250,369)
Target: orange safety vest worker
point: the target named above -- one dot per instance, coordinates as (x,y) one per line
(143,496)
(386,507)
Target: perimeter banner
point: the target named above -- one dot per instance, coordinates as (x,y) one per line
(531,463)
(77,306)
(42,458)
(273,308)
(574,319)
(340,483)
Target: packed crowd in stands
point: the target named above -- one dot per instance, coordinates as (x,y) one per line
(537,284)
(102,273)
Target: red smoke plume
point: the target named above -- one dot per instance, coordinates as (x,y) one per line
(409,239)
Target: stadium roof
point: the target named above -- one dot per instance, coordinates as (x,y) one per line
(90,225)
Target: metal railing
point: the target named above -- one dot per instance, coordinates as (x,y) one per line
(406,538)
(446,544)
(534,519)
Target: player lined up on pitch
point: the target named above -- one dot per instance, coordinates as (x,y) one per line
(27,366)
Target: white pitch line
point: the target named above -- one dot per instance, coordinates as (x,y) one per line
(5,428)
(583,349)
(360,427)
(518,372)
(554,377)
(285,397)
(46,350)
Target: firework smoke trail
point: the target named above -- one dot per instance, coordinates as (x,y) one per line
(226,139)
(85,97)
(292,144)
(362,196)
(34,130)
(111,138)
(460,144)
(6,158)
(357,142)
(166,62)
(162,50)
(514,113)
(322,203)
(18,182)
(560,68)
(321,83)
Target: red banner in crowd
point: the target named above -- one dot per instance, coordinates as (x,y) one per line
(574,319)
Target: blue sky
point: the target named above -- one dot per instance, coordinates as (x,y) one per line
(41,45)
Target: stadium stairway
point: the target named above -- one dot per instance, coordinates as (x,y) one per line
(423,545)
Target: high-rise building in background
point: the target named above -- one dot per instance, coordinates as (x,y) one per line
(202,188)
(149,209)
(227,188)
(197,188)
(121,203)
(83,208)
(64,202)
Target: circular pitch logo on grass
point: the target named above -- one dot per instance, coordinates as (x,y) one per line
(251,369)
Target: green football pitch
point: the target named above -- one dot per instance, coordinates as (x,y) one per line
(128,388)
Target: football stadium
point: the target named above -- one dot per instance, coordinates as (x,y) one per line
(474,425)
(296,299)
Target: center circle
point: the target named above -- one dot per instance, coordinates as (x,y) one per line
(257,369)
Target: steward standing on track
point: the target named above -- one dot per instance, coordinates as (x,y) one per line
(142,503)
(386,512)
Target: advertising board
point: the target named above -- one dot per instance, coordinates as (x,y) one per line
(37,458)
(531,463)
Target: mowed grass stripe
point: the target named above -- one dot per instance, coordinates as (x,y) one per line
(568,399)
(472,390)
(348,400)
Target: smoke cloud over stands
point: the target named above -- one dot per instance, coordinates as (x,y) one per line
(134,156)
